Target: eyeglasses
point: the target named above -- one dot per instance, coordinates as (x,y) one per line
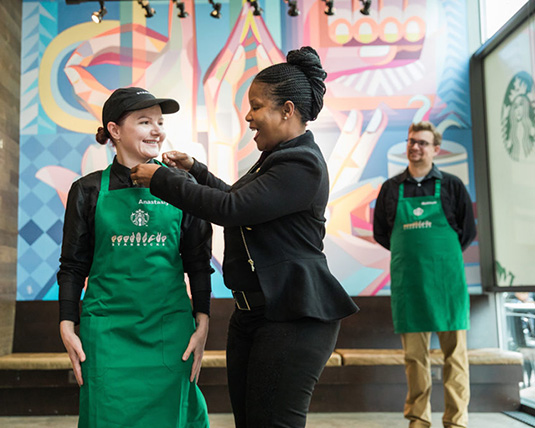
(421,143)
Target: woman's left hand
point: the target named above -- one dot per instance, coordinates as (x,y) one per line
(196,345)
(141,174)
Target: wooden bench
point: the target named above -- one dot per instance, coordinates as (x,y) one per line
(345,357)
(354,380)
(217,359)
(375,380)
(394,357)
(37,378)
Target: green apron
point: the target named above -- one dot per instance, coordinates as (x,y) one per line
(429,291)
(136,319)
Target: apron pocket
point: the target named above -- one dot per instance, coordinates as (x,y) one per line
(94,332)
(177,329)
(453,299)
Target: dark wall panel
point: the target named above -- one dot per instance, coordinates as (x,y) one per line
(10,37)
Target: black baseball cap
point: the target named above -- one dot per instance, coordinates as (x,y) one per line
(131,99)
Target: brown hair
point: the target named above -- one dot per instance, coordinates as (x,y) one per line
(427,126)
(102,136)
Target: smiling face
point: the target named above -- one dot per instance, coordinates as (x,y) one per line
(421,148)
(139,137)
(267,118)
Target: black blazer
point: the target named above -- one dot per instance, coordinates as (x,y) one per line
(281,210)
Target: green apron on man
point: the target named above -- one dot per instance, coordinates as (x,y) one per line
(137,319)
(429,291)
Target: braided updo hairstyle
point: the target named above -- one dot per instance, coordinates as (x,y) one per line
(300,80)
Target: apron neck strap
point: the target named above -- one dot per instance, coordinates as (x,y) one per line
(401,186)
(437,188)
(105,180)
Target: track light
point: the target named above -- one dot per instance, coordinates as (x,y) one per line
(149,11)
(216,12)
(257,9)
(329,9)
(292,7)
(181,9)
(366,4)
(97,16)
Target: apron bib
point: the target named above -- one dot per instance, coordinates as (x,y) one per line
(429,291)
(136,320)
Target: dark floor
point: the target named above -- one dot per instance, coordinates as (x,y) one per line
(315,420)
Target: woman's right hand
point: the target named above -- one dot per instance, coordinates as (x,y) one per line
(73,345)
(176,159)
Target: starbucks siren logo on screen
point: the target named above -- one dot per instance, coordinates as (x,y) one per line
(518,117)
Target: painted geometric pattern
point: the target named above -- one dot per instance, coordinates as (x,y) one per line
(454,85)
(378,83)
(41,211)
(38,29)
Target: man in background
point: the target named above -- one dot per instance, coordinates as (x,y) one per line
(424,217)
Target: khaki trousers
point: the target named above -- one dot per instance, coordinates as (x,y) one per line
(455,375)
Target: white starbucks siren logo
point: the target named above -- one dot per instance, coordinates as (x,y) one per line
(518,117)
(139,217)
(418,212)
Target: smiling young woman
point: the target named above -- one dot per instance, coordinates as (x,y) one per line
(140,349)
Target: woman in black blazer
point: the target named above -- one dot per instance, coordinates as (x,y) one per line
(288,304)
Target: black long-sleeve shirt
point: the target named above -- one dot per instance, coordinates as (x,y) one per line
(455,199)
(79,242)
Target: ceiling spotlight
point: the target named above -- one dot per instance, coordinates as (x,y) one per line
(97,16)
(292,7)
(216,12)
(149,11)
(329,9)
(257,9)
(181,9)
(366,4)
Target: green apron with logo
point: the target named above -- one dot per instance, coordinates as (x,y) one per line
(136,319)
(429,291)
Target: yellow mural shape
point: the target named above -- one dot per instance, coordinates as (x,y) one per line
(76,34)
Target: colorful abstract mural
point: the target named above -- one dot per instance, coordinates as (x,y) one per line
(406,61)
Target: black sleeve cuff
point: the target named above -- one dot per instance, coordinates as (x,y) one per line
(200,280)
(69,310)
(201,301)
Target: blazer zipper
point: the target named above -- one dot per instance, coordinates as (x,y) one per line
(250,260)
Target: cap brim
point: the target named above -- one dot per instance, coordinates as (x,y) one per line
(167,105)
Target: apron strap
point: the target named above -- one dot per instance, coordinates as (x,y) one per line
(105,180)
(401,187)
(437,188)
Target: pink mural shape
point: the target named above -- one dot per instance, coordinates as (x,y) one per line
(106,49)
(156,61)
(376,59)
(350,224)
(95,158)
(59,178)
(165,64)
(249,49)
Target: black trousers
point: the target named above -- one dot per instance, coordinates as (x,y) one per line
(272,367)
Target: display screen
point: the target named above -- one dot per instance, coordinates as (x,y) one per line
(509,95)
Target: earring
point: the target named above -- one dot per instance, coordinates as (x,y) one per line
(285,117)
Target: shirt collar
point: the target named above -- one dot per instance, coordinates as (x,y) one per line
(304,139)
(123,172)
(406,176)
